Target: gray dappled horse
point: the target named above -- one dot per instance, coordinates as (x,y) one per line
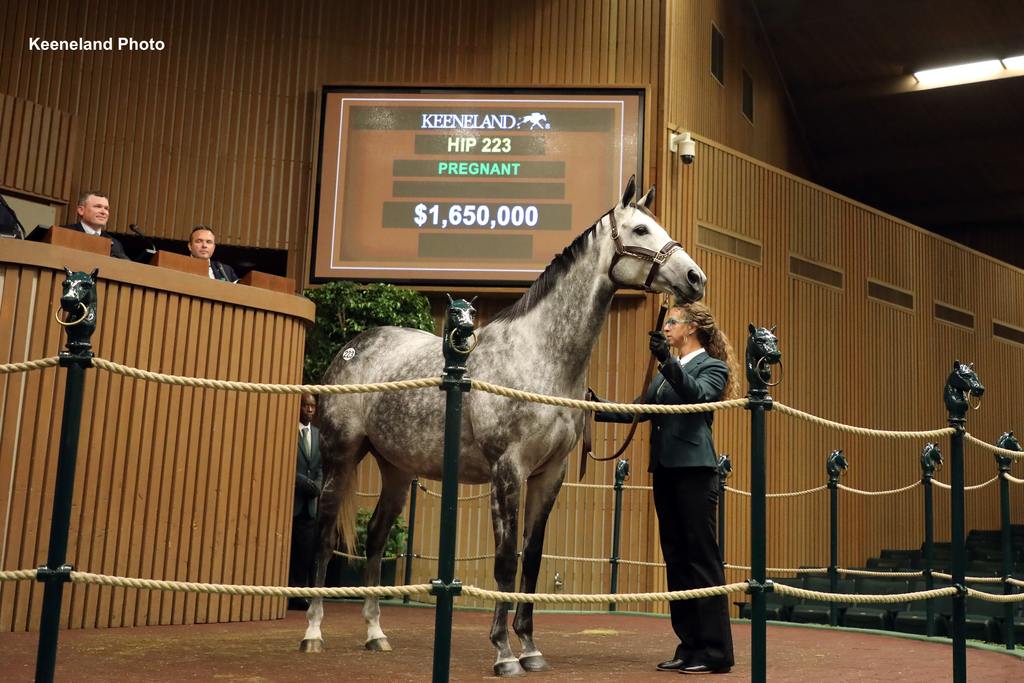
(542,343)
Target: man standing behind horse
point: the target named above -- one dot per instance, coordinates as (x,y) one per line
(309,477)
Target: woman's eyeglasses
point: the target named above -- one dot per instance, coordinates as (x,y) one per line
(672,322)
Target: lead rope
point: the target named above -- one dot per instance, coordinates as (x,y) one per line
(588,441)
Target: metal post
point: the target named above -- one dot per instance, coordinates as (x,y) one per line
(931,458)
(76,359)
(406,599)
(835,465)
(1009,442)
(724,470)
(621,472)
(761,354)
(456,346)
(962,382)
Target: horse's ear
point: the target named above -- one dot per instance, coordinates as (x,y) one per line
(956,365)
(67,271)
(472,300)
(450,300)
(95,272)
(772,329)
(647,201)
(630,192)
(751,328)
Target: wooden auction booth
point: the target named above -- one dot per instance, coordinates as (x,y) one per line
(192,484)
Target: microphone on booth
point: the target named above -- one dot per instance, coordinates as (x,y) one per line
(151,250)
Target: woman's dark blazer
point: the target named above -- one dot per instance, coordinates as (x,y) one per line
(681,439)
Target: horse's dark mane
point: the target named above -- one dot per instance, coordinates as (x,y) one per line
(544,284)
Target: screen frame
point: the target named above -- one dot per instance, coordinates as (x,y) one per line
(312,279)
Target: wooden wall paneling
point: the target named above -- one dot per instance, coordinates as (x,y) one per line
(207,457)
(10,422)
(235,349)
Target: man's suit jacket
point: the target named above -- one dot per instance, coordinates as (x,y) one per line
(116,248)
(222,271)
(681,439)
(308,465)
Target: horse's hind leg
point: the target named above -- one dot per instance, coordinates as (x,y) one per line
(505,485)
(542,491)
(394,492)
(327,541)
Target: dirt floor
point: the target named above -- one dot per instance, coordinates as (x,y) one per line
(579,647)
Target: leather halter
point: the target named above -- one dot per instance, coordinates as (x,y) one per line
(656,258)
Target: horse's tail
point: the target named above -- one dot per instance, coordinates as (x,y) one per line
(345,519)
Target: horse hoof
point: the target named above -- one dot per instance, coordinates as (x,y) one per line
(534,663)
(311,645)
(378,645)
(509,669)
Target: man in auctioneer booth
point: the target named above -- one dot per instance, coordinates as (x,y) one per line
(93,213)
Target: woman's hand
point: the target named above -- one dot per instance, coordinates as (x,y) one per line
(659,347)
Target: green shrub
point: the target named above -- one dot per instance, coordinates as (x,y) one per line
(344,309)
(395,544)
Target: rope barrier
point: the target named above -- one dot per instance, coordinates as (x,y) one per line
(947,487)
(643,408)
(862,598)
(792,494)
(995,449)
(257,387)
(563,598)
(879,493)
(18,575)
(29,365)
(972,579)
(784,570)
(434,494)
(872,572)
(994,597)
(1012,479)
(863,431)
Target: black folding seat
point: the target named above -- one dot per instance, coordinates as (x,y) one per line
(915,618)
(879,616)
(815,611)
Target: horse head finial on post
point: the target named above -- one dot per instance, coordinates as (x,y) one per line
(78,302)
(836,465)
(459,338)
(961,384)
(762,353)
(931,460)
(1008,441)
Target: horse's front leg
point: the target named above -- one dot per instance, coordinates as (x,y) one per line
(505,486)
(542,491)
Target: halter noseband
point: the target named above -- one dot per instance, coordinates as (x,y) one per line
(656,258)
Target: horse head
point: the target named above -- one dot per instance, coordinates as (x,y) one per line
(645,255)
(762,353)
(1008,441)
(931,458)
(78,302)
(459,338)
(961,384)
(836,465)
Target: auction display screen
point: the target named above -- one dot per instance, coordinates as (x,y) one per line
(478,186)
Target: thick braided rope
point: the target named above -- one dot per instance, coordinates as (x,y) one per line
(783,570)
(610,487)
(643,408)
(385,558)
(29,365)
(879,493)
(640,563)
(995,597)
(791,494)
(272,591)
(563,598)
(948,487)
(1012,479)
(1015,582)
(863,431)
(972,579)
(260,388)
(871,572)
(18,575)
(995,449)
(862,599)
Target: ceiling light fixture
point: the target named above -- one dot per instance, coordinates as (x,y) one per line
(960,73)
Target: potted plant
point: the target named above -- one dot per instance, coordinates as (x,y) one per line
(343,571)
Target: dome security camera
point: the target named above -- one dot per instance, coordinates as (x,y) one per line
(683,145)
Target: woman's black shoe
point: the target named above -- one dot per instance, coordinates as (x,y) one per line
(704,669)
(672,665)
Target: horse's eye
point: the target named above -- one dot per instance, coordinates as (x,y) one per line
(640,230)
